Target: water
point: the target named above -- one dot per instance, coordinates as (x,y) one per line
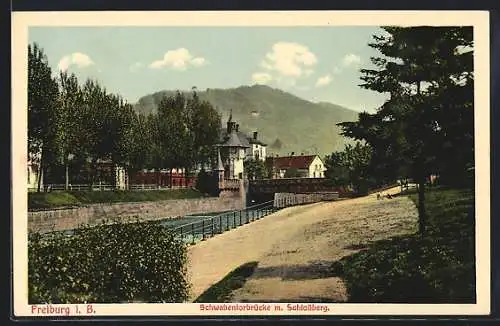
(191,228)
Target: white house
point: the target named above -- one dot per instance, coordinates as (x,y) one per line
(32,176)
(236,146)
(306,166)
(257,149)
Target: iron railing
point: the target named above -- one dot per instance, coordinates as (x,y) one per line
(208,226)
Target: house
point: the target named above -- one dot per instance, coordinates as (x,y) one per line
(305,166)
(257,149)
(236,146)
(33,175)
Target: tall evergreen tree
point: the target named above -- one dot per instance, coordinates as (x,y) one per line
(419,68)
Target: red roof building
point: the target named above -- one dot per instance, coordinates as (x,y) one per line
(302,166)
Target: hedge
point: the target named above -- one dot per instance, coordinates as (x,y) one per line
(117,263)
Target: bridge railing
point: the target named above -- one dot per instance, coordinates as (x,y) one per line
(207,227)
(229,184)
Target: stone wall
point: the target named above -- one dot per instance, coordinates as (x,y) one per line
(282,199)
(64,219)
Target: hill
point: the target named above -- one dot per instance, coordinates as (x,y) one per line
(284,121)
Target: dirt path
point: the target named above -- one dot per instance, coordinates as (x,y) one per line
(293,246)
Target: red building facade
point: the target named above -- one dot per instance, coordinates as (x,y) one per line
(163,179)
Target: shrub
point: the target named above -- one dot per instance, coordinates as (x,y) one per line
(108,263)
(207,183)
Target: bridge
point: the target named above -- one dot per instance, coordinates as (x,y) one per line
(263,190)
(293,185)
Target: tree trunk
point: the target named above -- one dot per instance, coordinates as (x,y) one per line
(67,175)
(421,206)
(40,172)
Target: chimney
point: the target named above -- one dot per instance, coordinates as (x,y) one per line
(255,135)
(237,127)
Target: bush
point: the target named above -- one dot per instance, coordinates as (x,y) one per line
(439,268)
(127,262)
(207,183)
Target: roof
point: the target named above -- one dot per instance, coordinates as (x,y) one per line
(251,140)
(298,162)
(245,139)
(234,139)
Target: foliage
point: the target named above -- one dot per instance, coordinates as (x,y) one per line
(207,183)
(292,173)
(350,168)
(126,262)
(439,268)
(428,73)
(46,200)
(73,127)
(42,106)
(255,169)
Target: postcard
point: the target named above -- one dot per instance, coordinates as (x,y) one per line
(331,163)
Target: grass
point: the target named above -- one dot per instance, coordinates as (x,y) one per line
(222,290)
(48,200)
(436,268)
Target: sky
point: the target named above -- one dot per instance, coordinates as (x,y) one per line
(315,63)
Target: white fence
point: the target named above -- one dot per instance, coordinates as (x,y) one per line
(104,187)
(282,200)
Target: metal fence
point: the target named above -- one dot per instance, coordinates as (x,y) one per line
(208,226)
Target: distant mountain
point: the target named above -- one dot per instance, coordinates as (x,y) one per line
(284,121)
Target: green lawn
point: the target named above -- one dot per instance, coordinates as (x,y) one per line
(439,268)
(54,199)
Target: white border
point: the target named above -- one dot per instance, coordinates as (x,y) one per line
(480,20)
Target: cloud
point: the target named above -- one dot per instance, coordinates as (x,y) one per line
(261,77)
(178,59)
(74,59)
(351,59)
(136,66)
(322,81)
(198,61)
(289,59)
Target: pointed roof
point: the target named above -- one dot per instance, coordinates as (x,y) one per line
(220,166)
(232,140)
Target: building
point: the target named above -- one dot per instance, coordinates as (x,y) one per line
(257,149)
(163,179)
(236,146)
(304,166)
(33,175)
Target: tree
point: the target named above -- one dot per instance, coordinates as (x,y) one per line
(255,169)
(350,167)
(137,146)
(69,122)
(204,123)
(419,68)
(174,139)
(42,104)
(292,173)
